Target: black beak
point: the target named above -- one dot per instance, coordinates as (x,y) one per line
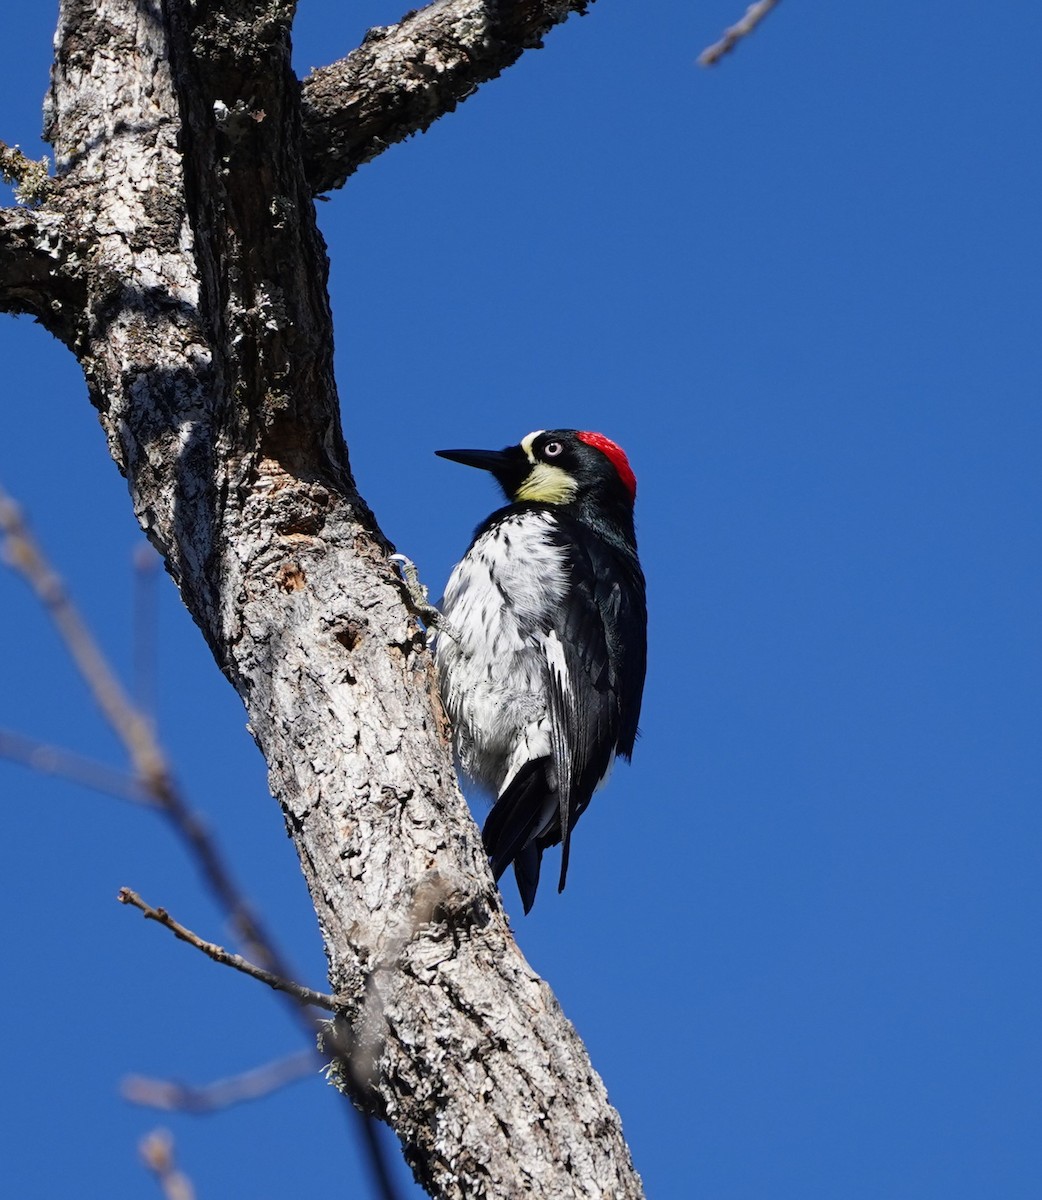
(487,460)
(509,466)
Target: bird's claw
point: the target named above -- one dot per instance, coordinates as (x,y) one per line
(416,597)
(411,578)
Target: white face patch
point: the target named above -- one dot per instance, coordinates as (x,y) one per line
(526,444)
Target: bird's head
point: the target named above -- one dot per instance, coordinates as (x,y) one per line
(558,466)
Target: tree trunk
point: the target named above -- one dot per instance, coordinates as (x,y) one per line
(178,256)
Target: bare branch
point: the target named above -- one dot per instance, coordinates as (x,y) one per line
(157,1153)
(32,180)
(754,14)
(404,77)
(305,995)
(24,554)
(222,1093)
(34,273)
(76,768)
(155,781)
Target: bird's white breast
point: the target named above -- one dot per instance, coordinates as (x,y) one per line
(493,669)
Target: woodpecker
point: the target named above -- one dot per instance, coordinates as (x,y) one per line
(542,652)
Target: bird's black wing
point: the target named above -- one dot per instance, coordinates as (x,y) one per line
(596,656)
(593,650)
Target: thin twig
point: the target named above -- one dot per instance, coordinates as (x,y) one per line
(305,995)
(77,768)
(754,14)
(134,730)
(157,1153)
(150,765)
(25,556)
(222,1093)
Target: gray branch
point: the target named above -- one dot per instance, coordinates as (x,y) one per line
(754,14)
(404,77)
(35,276)
(300,993)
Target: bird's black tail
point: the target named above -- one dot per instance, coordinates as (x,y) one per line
(520,825)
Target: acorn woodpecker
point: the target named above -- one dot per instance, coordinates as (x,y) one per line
(542,652)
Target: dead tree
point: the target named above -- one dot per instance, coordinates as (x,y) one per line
(176,254)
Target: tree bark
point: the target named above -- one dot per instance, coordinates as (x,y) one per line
(403,77)
(178,256)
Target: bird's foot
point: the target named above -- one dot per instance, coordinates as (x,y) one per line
(416,598)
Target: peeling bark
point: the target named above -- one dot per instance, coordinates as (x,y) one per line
(180,248)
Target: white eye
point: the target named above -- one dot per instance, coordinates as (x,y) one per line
(552,449)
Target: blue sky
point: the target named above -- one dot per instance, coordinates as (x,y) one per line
(801,931)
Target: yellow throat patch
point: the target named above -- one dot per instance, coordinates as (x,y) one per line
(545,483)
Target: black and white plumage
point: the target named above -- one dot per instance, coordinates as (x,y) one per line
(541,661)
